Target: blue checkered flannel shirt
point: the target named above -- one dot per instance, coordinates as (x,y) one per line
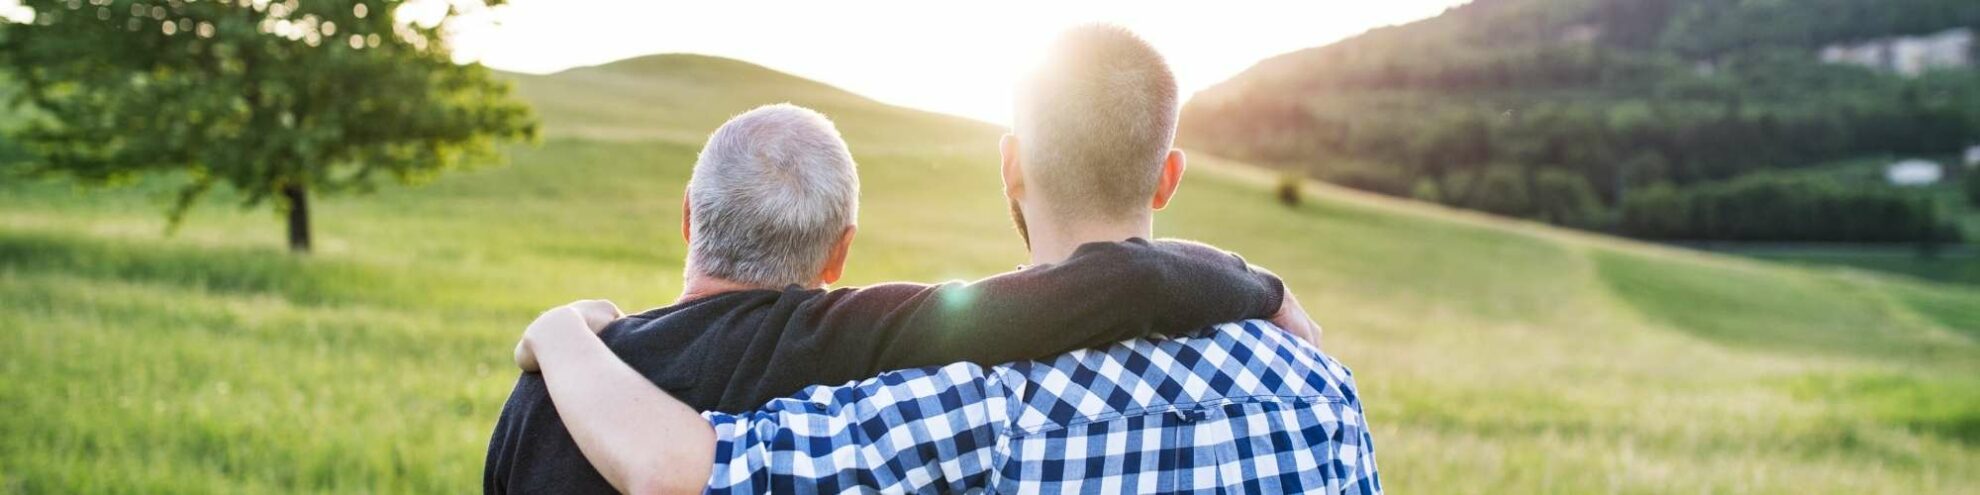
(1238,408)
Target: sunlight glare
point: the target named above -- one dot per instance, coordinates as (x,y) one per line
(952,58)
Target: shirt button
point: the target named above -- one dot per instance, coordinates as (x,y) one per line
(1190,416)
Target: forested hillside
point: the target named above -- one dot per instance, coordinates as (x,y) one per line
(1560,109)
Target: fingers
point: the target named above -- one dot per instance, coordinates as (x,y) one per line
(526,359)
(525,356)
(594,314)
(1294,320)
(597,313)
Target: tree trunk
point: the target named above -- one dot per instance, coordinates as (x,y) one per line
(297,198)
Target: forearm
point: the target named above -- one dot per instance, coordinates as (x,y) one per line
(640,439)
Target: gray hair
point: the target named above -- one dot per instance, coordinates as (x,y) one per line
(772,193)
(1097,119)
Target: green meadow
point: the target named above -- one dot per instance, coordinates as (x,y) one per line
(1494,356)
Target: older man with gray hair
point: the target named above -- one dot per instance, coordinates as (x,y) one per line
(769,218)
(773,200)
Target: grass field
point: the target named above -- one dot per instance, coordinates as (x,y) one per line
(1495,356)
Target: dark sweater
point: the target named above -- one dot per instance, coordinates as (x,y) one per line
(736,351)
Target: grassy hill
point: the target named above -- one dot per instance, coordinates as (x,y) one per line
(1495,356)
(683,97)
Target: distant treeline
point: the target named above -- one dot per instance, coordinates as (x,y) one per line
(1971,187)
(1764,207)
(1705,28)
(1561,109)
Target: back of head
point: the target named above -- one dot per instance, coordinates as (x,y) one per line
(772,193)
(1096,120)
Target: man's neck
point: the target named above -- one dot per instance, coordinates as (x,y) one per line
(1052,243)
(697,286)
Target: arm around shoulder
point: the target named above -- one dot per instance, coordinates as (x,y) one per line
(1104,293)
(638,437)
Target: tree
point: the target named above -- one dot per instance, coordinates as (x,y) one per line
(1972,187)
(1563,198)
(1288,188)
(1773,207)
(1501,189)
(275,99)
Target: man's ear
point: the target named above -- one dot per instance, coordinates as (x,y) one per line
(1013,168)
(1172,174)
(835,264)
(687,218)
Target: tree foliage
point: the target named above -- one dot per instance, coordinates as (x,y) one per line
(1767,207)
(1971,186)
(273,99)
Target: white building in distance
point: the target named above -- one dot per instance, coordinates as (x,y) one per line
(1914,172)
(1907,55)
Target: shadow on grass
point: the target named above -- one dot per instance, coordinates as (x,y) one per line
(1777,310)
(235,270)
(1951,265)
(1954,308)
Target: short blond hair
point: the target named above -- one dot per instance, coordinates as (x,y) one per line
(1095,122)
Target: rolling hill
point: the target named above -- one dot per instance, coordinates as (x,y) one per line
(1495,356)
(590,102)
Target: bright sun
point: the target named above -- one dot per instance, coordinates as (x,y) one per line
(959,59)
(954,58)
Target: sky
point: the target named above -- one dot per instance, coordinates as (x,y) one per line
(954,57)
(960,58)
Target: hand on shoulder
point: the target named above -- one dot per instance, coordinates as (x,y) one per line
(590,315)
(1293,319)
